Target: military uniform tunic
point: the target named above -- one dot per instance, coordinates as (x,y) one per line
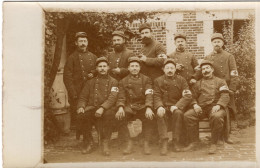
(208,93)
(78,66)
(189,61)
(101,91)
(224,65)
(153,65)
(135,95)
(171,91)
(119,60)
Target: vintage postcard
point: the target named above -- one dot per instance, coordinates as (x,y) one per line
(130,84)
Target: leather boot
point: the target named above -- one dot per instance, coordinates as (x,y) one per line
(147,150)
(105,148)
(176,146)
(229,141)
(128,148)
(87,148)
(192,146)
(164,147)
(212,149)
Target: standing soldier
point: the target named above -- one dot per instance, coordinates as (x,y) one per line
(135,101)
(185,61)
(152,53)
(97,103)
(224,65)
(79,67)
(211,96)
(118,59)
(171,97)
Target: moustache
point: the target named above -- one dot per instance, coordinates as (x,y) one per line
(205,73)
(170,73)
(83,45)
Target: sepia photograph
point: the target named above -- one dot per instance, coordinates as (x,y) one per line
(129,84)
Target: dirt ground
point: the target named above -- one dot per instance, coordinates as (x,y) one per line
(67,149)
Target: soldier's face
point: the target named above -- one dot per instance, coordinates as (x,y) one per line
(82,43)
(102,68)
(146,36)
(180,43)
(118,42)
(207,71)
(134,68)
(169,69)
(217,44)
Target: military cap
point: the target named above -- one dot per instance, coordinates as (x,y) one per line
(206,62)
(217,36)
(145,26)
(80,34)
(133,59)
(169,60)
(179,35)
(119,33)
(101,59)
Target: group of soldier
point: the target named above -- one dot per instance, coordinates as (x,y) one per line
(165,91)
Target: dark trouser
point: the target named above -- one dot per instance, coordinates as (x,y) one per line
(216,121)
(176,125)
(147,124)
(73,111)
(104,124)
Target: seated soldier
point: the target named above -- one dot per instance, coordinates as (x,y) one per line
(211,97)
(96,103)
(171,97)
(135,101)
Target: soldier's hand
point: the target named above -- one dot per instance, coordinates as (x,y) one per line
(197,68)
(149,113)
(99,112)
(215,108)
(173,108)
(179,67)
(160,112)
(120,113)
(90,75)
(143,58)
(197,109)
(192,81)
(80,110)
(164,56)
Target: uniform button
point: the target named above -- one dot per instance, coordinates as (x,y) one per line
(81,60)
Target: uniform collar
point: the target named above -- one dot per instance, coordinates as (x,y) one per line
(135,76)
(78,50)
(102,76)
(170,77)
(215,52)
(209,78)
(179,51)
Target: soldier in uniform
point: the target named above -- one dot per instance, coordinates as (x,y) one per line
(79,67)
(211,97)
(186,63)
(97,103)
(152,53)
(119,57)
(171,97)
(224,65)
(135,101)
